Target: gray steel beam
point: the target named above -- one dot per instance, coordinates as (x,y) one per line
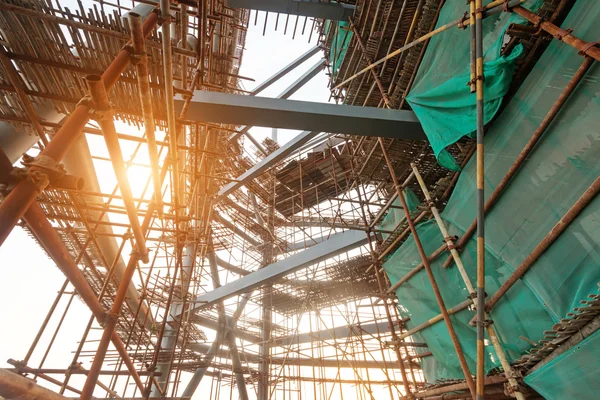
(333,333)
(237,231)
(216,325)
(303,8)
(308,242)
(302,115)
(231,268)
(335,245)
(229,326)
(211,351)
(253,358)
(285,70)
(289,91)
(304,79)
(267,162)
(169,340)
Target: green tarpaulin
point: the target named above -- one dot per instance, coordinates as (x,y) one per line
(562,166)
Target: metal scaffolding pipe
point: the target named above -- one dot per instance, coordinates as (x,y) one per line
(15,386)
(590,49)
(22,196)
(52,243)
(141,64)
(527,149)
(107,125)
(436,290)
(546,242)
(170,105)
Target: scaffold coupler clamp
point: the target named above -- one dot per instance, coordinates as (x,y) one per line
(102,321)
(510,390)
(144,257)
(562,33)
(42,170)
(465,17)
(588,46)
(136,58)
(450,242)
(97,114)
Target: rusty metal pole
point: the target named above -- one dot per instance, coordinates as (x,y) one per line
(169,102)
(554,233)
(15,386)
(140,60)
(590,49)
(23,195)
(104,116)
(529,146)
(436,290)
(49,238)
(108,333)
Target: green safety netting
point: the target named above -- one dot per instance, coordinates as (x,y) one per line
(441,97)
(572,375)
(562,166)
(339,45)
(395,215)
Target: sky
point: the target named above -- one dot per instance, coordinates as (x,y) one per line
(30,280)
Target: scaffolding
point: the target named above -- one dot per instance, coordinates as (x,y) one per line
(149,213)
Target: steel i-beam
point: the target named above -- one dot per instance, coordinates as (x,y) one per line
(237,109)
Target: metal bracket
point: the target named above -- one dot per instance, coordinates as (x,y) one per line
(587,47)
(562,33)
(465,17)
(139,58)
(101,115)
(42,169)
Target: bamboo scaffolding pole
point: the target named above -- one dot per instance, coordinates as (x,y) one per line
(527,149)
(17,82)
(492,8)
(546,242)
(436,290)
(508,370)
(481,321)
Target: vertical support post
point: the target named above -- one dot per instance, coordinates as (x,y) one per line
(105,120)
(508,370)
(170,106)
(264,350)
(436,290)
(140,60)
(480,370)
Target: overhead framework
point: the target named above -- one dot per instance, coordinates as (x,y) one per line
(336,11)
(302,115)
(347,260)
